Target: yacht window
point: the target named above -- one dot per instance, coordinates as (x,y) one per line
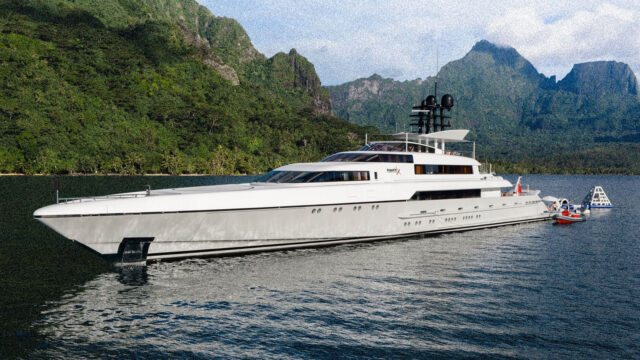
(442,169)
(313,176)
(446,194)
(358,157)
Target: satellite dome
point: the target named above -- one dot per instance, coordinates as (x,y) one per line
(447,101)
(431,101)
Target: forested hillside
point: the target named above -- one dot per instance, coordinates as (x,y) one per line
(152,86)
(518,116)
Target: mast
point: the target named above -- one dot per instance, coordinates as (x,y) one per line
(431,111)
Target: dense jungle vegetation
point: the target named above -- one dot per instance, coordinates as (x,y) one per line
(114,87)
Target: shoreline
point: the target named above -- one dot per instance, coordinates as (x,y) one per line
(136,175)
(231,175)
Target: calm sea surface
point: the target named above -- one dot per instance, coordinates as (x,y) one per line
(528,291)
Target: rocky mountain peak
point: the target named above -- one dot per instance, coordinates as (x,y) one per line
(504,56)
(489,47)
(600,77)
(295,71)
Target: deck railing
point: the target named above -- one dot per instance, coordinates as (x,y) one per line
(486,168)
(103,197)
(65,200)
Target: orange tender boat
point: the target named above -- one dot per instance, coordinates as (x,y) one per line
(565,217)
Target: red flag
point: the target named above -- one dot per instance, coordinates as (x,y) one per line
(518,188)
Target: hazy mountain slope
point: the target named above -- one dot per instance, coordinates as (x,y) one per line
(514,112)
(487,79)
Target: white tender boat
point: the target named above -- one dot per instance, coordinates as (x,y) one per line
(388,189)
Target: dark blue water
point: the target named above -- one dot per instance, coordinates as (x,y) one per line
(528,291)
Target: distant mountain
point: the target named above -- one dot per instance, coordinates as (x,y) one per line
(152,86)
(600,78)
(513,111)
(486,79)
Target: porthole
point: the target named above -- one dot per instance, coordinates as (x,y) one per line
(313,211)
(319,210)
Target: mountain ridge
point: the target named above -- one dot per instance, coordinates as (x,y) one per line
(513,111)
(600,76)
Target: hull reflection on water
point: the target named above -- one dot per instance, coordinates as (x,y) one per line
(133,275)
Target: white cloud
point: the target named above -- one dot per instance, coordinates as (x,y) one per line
(346,40)
(607,32)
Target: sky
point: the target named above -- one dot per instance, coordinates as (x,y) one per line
(405,40)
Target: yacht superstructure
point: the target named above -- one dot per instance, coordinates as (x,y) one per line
(386,189)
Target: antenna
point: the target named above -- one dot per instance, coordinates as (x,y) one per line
(427,112)
(435,91)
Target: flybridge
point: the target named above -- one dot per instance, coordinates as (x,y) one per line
(435,142)
(430,136)
(424,143)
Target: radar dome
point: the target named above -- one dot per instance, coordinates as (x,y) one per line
(431,101)
(447,101)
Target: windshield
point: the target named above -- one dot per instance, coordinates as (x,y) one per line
(397,146)
(358,157)
(278,176)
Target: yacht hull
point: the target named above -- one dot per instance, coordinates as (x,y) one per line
(182,234)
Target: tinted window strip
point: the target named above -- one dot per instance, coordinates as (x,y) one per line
(446,194)
(425,169)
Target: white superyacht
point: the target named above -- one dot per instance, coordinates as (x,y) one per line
(387,189)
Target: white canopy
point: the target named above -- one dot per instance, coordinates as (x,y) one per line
(446,135)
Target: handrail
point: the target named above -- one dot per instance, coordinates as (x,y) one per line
(486,168)
(103,197)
